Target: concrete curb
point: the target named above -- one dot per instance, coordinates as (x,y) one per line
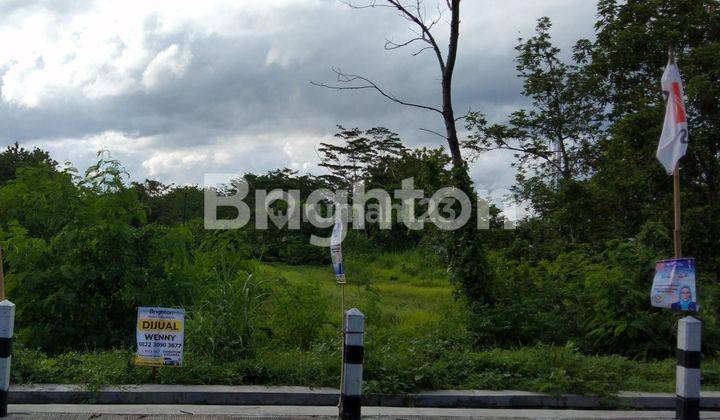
(303,396)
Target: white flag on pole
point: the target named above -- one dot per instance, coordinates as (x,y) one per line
(674,137)
(338,234)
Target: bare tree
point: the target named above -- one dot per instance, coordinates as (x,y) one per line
(463,251)
(416,13)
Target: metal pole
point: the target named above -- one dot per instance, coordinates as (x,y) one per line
(676,199)
(676,183)
(353,353)
(2,277)
(342,332)
(687,386)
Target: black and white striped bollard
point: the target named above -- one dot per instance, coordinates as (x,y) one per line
(353,350)
(7,324)
(687,385)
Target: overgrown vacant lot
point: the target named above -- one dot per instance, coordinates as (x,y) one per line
(415,339)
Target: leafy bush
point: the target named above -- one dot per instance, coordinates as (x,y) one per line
(598,301)
(81,263)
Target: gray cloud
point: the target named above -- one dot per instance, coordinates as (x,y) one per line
(226,89)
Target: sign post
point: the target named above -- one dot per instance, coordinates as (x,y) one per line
(338,234)
(676,205)
(672,147)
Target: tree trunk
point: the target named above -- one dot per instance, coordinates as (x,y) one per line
(565,164)
(447,109)
(451,133)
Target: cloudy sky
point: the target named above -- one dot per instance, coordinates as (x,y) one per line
(175,89)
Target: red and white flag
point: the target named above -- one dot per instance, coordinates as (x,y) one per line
(674,137)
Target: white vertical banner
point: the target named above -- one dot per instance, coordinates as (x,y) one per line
(674,137)
(338,234)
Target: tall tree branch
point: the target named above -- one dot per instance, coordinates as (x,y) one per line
(368,84)
(415,13)
(423,28)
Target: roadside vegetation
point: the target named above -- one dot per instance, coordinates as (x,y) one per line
(558,304)
(416,340)
(86,256)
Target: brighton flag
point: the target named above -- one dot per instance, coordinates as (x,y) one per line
(674,137)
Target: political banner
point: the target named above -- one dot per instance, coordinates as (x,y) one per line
(335,247)
(674,137)
(160,337)
(674,285)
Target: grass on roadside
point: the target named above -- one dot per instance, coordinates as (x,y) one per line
(416,366)
(415,340)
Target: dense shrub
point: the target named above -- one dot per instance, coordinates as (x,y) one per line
(83,260)
(598,301)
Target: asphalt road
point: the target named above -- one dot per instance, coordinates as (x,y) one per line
(168,412)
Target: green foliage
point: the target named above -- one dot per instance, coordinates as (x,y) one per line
(415,339)
(403,367)
(15,157)
(599,302)
(278,243)
(429,171)
(224,320)
(300,314)
(80,262)
(170,204)
(579,267)
(555,138)
(52,197)
(465,254)
(360,150)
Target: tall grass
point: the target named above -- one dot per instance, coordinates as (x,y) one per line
(259,323)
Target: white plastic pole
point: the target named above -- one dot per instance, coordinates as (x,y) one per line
(687,387)
(7,325)
(353,353)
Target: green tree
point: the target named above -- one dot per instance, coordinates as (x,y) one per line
(358,152)
(81,258)
(172,204)
(629,53)
(15,157)
(281,243)
(579,268)
(554,141)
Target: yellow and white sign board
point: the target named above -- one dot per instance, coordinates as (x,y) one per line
(160,337)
